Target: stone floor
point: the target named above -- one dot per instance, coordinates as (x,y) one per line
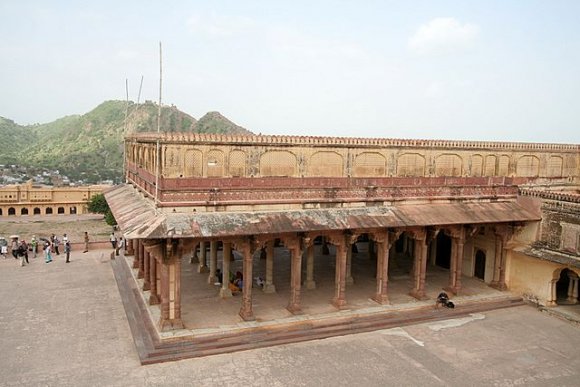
(64,325)
(202,309)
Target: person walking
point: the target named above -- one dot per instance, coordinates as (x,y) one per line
(67,251)
(47,253)
(14,247)
(113,240)
(86,242)
(56,243)
(120,246)
(24,251)
(34,246)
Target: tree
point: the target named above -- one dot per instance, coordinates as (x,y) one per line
(98,204)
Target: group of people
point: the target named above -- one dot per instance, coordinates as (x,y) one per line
(118,245)
(49,246)
(20,249)
(236,282)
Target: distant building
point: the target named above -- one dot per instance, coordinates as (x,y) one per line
(28,199)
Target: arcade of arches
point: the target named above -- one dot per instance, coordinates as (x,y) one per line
(29,200)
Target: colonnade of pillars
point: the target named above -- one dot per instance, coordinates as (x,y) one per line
(159,265)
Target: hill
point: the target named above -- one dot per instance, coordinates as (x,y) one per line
(90,146)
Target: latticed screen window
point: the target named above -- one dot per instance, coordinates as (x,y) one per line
(528,166)
(193,163)
(172,166)
(215,163)
(329,164)
(278,163)
(411,164)
(503,166)
(555,164)
(448,165)
(237,163)
(370,164)
(477,166)
(569,166)
(490,165)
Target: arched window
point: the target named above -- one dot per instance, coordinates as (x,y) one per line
(24,211)
(48,211)
(36,211)
(60,210)
(73,210)
(11,211)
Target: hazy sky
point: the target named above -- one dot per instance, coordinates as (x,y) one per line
(491,70)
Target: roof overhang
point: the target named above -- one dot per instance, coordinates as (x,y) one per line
(138,218)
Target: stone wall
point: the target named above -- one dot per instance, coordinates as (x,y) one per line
(198,155)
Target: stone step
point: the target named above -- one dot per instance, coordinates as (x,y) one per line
(315,329)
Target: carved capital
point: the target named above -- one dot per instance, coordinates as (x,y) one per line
(455,232)
(504,231)
(247,246)
(418,233)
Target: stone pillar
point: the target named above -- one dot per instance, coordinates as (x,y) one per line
(269,286)
(141,272)
(202,268)
(146,273)
(503,233)
(153,298)
(170,267)
(130,248)
(137,245)
(339,240)
(295,247)
(349,279)
(211,278)
(457,235)
(552,293)
(246,311)
(572,288)
(420,265)
(310,283)
(384,242)
(225,290)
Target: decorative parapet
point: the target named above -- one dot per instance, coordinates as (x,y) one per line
(201,138)
(551,195)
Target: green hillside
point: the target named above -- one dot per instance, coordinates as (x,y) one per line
(90,146)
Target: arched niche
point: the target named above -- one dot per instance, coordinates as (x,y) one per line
(370,164)
(448,164)
(278,163)
(411,164)
(326,163)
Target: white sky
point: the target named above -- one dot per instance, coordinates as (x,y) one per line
(492,70)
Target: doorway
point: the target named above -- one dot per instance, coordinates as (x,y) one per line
(479,267)
(443,257)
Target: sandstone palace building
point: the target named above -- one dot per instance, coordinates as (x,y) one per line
(28,199)
(333,235)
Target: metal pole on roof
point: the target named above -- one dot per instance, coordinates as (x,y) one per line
(157,148)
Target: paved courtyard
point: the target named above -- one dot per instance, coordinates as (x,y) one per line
(64,324)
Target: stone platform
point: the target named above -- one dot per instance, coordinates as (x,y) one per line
(212,324)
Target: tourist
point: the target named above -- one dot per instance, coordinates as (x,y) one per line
(67,250)
(47,252)
(24,252)
(34,246)
(113,240)
(86,242)
(64,238)
(56,244)
(120,246)
(14,247)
